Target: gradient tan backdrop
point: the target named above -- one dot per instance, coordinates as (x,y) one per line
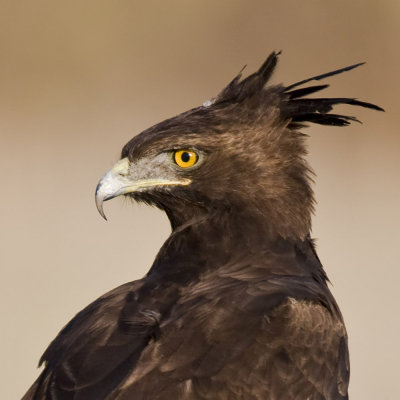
(79,79)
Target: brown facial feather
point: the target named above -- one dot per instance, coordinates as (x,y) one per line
(250,161)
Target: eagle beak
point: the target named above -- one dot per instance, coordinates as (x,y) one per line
(112,184)
(118,181)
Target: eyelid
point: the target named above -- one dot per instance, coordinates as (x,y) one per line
(198,151)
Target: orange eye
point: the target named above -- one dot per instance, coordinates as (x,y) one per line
(185,158)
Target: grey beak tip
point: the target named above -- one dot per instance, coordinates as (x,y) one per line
(104,216)
(99,203)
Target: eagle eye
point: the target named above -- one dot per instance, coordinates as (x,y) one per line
(185,158)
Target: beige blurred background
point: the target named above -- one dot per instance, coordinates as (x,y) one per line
(78,79)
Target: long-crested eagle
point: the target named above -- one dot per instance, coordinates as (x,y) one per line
(236,304)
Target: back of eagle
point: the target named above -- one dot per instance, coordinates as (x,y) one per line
(236,304)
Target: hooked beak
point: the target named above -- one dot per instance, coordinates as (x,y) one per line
(112,184)
(117,182)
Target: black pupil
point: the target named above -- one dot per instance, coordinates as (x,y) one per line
(185,156)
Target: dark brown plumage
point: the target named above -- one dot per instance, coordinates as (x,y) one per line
(236,304)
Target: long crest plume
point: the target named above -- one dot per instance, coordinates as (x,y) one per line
(294,106)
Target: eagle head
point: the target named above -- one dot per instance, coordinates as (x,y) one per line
(241,153)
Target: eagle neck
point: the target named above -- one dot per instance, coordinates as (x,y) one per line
(222,241)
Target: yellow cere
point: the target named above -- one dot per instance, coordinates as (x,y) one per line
(185,158)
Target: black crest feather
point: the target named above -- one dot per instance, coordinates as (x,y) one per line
(237,91)
(294,106)
(317,110)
